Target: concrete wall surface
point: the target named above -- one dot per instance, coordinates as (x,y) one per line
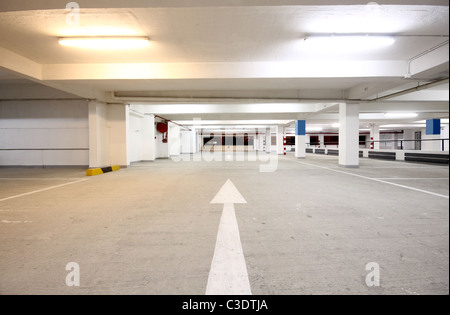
(44,133)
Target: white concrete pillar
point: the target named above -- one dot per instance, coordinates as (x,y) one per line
(262,142)
(434,145)
(148,138)
(300,139)
(108,134)
(349,135)
(197,140)
(429,145)
(280,140)
(444,135)
(432,132)
(98,142)
(118,120)
(321,141)
(268,140)
(374,136)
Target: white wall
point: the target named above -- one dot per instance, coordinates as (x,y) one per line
(44,133)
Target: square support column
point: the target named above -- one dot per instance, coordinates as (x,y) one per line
(433,136)
(108,134)
(444,135)
(300,139)
(374,136)
(321,141)
(349,135)
(98,134)
(268,140)
(280,140)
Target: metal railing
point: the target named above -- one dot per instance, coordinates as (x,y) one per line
(400,143)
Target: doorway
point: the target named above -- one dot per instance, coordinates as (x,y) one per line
(418,142)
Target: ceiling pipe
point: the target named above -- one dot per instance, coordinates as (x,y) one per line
(157,99)
(408,91)
(408,68)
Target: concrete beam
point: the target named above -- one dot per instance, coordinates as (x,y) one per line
(32,91)
(19,65)
(236,70)
(231,108)
(431,63)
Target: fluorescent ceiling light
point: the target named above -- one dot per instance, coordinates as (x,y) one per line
(314,128)
(404,126)
(400,115)
(106,43)
(348,42)
(443,121)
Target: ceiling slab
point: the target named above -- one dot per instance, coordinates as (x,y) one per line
(234,52)
(225,34)
(26,5)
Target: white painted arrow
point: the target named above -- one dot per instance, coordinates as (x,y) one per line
(228,275)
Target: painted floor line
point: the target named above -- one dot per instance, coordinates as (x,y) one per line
(376,180)
(41,190)
(422,178)
(405,167)
(36,179)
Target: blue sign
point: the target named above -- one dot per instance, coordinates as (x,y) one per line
(433,127)
(300,128)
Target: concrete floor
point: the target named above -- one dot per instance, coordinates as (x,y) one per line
(310,227)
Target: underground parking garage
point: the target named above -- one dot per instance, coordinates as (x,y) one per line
(225,149)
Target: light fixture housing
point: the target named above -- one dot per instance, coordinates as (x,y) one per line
(348,42)
(106,42)
(400,115)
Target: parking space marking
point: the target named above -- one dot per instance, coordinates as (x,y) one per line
(36,179)
(44,189)
(405,178)
(375,180)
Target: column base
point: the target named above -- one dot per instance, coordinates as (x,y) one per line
(349,166)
